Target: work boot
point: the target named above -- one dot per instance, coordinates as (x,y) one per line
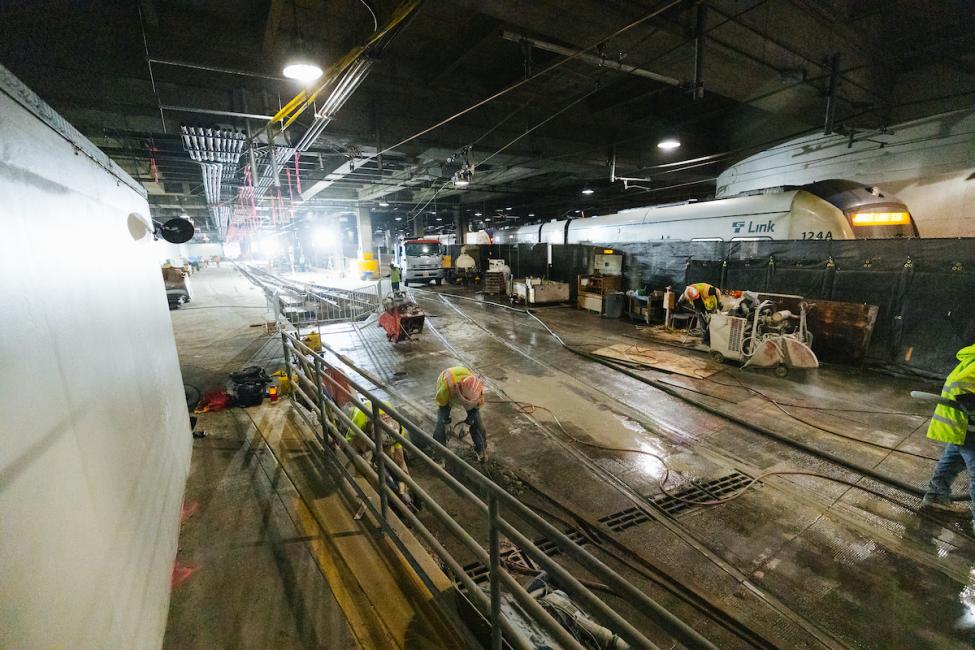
(482,456)
(940,505)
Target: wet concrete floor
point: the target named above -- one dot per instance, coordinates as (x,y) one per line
(804,561)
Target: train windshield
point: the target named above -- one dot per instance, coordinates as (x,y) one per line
(872,213)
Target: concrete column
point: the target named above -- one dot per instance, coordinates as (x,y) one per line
(363,224)
(460,225)
(419,222)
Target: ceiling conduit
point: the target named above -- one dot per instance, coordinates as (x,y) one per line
(344,79)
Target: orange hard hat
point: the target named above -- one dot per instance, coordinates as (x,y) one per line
(471,388)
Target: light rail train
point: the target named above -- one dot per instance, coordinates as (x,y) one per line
(830,209)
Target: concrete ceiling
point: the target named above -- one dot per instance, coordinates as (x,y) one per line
(765,73)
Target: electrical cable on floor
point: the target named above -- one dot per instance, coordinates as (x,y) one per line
(528,408)
(672,391)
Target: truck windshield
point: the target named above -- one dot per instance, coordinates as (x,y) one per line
(414,250)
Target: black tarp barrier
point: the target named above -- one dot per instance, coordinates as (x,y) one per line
(924,288)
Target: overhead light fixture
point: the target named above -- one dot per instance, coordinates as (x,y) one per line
(588,191)
(531,214)
(507,208)
(477,214)
(668,143)
(439,218)
(303,71)
(399,218)
(383,204)
(301,66)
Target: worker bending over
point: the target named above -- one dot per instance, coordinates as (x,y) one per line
(703,299)
(362,418)
(950,425)
(458,386)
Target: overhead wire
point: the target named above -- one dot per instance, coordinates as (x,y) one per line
(547,69)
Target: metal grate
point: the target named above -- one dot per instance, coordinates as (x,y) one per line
(622,520)
(696,491)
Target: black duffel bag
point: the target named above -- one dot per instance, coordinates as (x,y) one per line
(249,385)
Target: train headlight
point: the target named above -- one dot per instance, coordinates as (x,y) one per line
(880,218)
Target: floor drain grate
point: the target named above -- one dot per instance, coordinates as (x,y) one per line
(698,491)
(622,520)
(706,491)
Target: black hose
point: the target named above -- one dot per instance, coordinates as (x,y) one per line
(825,455)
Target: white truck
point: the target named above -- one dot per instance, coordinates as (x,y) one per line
(420,260)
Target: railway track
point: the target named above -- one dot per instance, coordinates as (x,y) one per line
(654,513)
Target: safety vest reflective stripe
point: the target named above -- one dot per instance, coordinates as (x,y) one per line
(943,420)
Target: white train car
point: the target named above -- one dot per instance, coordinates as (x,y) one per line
(827,210)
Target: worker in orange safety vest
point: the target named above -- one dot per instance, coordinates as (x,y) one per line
(459,386)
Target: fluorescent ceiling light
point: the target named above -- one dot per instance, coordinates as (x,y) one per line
(303,71)
(477,214)
(399,218)
(531,214)
(507,208)
(383,204)
(588,191)
(668,143)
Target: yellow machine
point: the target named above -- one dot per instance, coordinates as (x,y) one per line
(368,266)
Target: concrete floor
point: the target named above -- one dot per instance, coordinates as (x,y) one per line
(270,555)
(803,561)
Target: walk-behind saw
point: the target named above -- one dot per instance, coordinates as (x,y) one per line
(401,317)
(762,336)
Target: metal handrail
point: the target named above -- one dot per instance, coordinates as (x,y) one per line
(297,356)
(310,368)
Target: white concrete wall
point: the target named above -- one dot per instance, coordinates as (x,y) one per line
(929,164)
(95,442)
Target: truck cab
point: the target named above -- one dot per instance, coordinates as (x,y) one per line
(420,260)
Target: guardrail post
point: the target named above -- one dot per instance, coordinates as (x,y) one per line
(320,390)
(495,577)
(378,455)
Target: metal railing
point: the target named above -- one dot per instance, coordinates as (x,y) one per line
(307,304)
(321,384)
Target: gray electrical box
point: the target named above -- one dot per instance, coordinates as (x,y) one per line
(607,262)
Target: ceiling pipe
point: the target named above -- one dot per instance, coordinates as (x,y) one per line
(592,59)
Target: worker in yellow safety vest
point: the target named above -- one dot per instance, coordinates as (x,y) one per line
(702,298)
(950,425)
(362,419)
(459,386)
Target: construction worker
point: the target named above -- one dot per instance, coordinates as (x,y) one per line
(459,386)
(394,276)
(362,418)
(950,425)
(702,298)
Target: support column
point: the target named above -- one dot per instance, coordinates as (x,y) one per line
(460,225)
(363,224)
(419,223)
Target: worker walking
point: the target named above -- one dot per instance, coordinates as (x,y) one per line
(950,425)
(703,298)
(459,386)
(394,276)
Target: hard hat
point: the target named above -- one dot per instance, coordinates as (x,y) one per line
(692,293)
(471,388)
